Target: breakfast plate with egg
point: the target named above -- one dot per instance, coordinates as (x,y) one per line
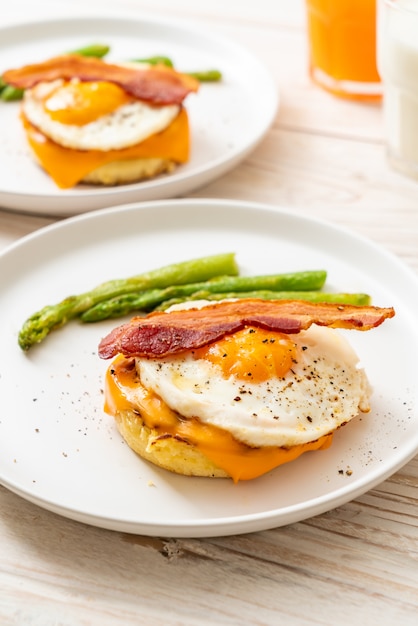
(62,449)
(95,132)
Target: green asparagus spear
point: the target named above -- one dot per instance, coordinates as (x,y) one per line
(8,93)
(206,76)
(41,323)
(359,299)
(156,60)
(143,301)
(97,50)
(202,76)
(11,94)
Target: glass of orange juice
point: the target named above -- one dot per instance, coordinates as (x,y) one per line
(342,47)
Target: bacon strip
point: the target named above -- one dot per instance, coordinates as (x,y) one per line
(162,334)
(158,85)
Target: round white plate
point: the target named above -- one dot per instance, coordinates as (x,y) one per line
(60,450)
(227,118)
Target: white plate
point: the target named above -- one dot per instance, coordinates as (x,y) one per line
(227,119)
(60,450)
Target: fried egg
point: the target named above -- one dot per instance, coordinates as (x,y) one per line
(96,115)
(263,387)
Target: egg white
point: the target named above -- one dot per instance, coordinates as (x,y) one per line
(127,126)
(324,389)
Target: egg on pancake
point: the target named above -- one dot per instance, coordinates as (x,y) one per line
(86,123)
(239,405)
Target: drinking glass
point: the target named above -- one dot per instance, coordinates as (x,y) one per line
(342,47)
(398,66)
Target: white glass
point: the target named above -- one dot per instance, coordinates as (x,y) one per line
(397,37)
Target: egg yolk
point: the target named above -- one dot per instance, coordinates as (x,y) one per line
(252,354)
(79,103)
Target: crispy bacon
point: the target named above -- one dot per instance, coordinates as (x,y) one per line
(163,334)
(158,84)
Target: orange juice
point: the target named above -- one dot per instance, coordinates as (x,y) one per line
(342,42)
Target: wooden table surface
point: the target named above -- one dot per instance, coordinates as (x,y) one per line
(324,157)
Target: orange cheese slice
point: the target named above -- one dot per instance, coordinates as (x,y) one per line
(237,459)
(68,167)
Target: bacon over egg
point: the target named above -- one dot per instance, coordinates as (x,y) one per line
(251,384)
(81,114)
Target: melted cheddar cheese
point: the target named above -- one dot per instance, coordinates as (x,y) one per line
(123,391)
(67,167)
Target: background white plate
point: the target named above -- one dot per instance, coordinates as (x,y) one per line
(60,450)
(227,119)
